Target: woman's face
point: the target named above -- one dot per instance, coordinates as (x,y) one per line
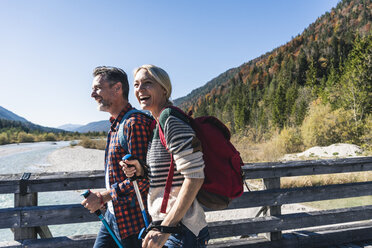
(150,94)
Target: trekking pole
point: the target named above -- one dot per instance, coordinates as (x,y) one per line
(102,218)
(136,189)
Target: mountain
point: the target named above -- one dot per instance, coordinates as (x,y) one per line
(97,126)
(8,115)
(70,127)
(276,89)
(10,120)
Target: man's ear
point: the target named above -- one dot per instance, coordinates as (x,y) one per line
(117,86)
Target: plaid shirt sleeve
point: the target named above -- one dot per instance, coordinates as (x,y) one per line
(137,132)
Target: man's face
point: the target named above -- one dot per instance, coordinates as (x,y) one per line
(103,93)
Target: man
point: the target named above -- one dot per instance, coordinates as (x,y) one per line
(110,90)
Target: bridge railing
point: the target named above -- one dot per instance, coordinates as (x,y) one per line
(310,229)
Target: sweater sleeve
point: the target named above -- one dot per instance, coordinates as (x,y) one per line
(184,146)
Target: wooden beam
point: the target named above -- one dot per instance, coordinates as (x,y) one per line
(78,241)
(55,215)
(304,239)
(57,181)
(22,200)
(309,167)
(297,195)
(44,232)
(269,184)
(222,229)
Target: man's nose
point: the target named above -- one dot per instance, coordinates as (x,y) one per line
(93,94)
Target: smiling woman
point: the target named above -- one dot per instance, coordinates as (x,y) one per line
(178,211)
(152,88)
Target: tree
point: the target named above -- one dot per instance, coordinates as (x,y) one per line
(356,80)
(279,107)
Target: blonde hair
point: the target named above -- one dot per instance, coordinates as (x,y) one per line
(160,76)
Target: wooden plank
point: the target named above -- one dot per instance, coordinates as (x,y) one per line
(304,239)
(10,218)
(273,183)
(69,181)
(95,179)
(297,195)
(309,167)
(22,200)
(45,215)
(228,228)
(64,214)
(55,215)
(44,232)
(57,181)
(78,241)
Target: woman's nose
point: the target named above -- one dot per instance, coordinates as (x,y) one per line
(141,87)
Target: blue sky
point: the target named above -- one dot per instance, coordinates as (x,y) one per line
(48,48)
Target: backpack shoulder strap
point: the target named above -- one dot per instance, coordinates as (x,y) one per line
(168,184)
(122,138)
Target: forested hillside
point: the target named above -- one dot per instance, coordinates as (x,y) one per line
(316,89)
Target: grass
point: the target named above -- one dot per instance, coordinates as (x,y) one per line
(271,152)
(341,203)
(99,144)
(252,152)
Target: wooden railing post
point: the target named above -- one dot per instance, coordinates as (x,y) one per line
(24,199)
(273,183)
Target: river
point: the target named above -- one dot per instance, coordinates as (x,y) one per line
(33,158)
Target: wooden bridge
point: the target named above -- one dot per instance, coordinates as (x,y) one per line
(329,228)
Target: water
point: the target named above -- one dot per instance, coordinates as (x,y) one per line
(32,157)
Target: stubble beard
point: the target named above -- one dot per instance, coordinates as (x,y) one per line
(104,106)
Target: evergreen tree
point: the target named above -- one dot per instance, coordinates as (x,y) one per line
(356,81)
(279,107)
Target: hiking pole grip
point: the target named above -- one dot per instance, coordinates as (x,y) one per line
(130,157)
(102,218)
(86,194)
(136,189)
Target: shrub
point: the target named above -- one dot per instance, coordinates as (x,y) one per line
(289,140)
(323,127)
(93,144)
(86,143)
(50,137)
(23,137)
(366,137)
(4,139)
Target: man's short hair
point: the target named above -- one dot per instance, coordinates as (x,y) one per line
(113,75)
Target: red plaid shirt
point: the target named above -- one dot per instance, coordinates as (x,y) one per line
(138,132)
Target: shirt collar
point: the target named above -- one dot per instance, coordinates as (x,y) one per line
(120,116)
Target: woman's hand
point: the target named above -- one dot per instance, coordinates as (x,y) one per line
(155,239)
(130,171)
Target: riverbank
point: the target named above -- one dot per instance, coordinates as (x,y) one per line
(75,158)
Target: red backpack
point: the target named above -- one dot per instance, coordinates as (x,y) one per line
(223,173)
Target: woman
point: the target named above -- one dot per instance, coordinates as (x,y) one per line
(152,88)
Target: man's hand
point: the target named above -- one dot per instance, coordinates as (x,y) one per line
(92,202)
(155,239)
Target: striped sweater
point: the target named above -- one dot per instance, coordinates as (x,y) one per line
(186,150)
